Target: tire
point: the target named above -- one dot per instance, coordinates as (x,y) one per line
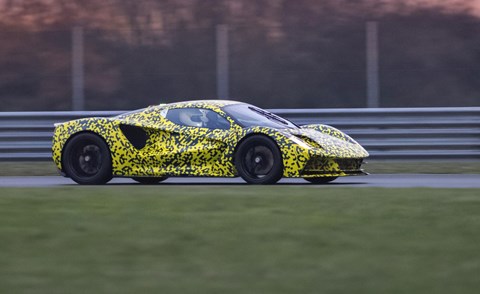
(149,180)
(320,180)
(86,159)
(259,161)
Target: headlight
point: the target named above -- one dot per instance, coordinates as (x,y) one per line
(300,142)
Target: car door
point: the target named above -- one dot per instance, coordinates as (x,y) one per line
(199,142)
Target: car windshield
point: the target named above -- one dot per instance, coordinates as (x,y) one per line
(250,116)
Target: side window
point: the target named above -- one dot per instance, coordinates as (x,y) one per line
(215,121)
(197,117)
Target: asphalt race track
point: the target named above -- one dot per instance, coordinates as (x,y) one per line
(381,180)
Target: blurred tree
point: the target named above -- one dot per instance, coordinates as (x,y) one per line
(283,53)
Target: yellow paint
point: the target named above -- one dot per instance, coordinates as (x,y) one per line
(174,150)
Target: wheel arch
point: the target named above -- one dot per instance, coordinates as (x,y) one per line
(251,135)
(75,135)
(271,175)
(293,157)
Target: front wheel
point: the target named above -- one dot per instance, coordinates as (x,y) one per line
(149,180)
(86,160)
(259,161)
(320,180)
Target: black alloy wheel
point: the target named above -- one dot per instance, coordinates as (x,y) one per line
(149,180)
(86,159)
(320,180)
(259,161)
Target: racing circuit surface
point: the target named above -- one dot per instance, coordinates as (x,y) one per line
(380,180)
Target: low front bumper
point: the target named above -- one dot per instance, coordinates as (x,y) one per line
(332,167)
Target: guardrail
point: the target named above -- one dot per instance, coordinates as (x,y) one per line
(387,133)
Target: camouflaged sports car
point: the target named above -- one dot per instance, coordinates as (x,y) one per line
(202,138)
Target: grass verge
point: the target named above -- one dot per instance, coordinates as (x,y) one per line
(373,166)
(34,168)
(423,167)
(250,240)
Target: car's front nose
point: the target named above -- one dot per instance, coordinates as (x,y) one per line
(321,144)
(329,155)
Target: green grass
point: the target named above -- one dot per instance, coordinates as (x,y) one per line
(373,166)
(232,239)
(28,169)
(423,167)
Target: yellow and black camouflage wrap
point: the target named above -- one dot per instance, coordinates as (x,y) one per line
(169,149)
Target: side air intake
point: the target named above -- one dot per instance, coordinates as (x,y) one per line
(136,135)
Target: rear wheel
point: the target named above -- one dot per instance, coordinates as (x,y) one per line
(259,161)
(320,180)
(86,160)
(149,180)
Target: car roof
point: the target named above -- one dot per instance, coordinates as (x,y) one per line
(202,103)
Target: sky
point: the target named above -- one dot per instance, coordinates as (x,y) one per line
(23,13)
(473,6)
